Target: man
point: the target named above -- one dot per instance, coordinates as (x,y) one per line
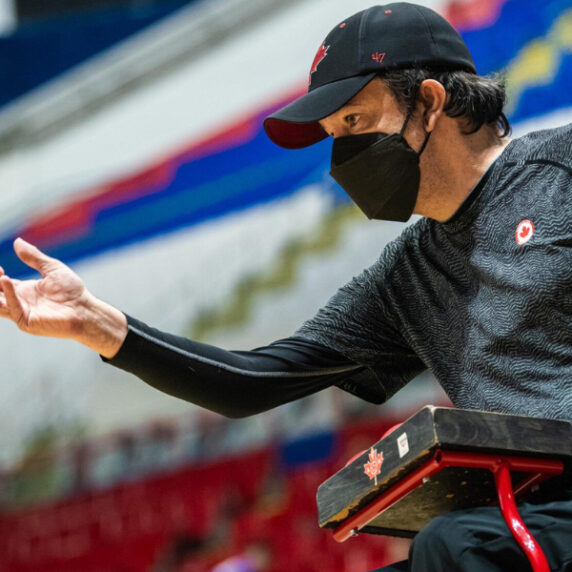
(478,290)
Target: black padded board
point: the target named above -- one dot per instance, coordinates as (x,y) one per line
(432,428)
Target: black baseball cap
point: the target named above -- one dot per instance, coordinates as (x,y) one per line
(381,38)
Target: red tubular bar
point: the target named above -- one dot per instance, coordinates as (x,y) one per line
(500,466)
(485,461)
(514,522)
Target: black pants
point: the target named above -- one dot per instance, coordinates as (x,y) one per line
(478,540)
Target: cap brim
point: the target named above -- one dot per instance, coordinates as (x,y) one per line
(296,125)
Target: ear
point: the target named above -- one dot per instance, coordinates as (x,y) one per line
(433,98)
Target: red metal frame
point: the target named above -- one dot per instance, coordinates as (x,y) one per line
(500,465)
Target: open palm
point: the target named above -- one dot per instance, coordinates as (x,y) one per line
(51,306)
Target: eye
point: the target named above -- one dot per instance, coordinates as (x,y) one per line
(351,119)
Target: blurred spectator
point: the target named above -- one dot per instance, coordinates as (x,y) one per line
(80,467)
(155,451)
(182,547)
(114,462)
(256,557)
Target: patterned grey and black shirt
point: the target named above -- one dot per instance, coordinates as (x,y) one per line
(483,300)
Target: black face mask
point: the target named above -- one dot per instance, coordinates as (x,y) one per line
(380,172)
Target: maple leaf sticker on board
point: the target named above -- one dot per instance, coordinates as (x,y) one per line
(373,467)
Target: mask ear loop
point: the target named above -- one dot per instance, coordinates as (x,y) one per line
(424,143)
(408,117)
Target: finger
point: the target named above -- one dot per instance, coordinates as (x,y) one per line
(14,282)
(12,304)
(33,256)
(4,312)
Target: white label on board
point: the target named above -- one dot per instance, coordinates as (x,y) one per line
(402,445)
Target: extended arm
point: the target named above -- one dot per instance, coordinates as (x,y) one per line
(232,383)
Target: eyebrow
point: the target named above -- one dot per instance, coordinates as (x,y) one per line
(351,102)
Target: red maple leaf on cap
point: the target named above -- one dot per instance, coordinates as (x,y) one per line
(320,55)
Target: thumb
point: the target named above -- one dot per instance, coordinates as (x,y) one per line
(33,256)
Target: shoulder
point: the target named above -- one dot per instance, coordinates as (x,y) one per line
(379,280)
(407,242)
(366,293)
(408,248)
(547,145)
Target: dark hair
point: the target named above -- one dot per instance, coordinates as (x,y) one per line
(477,99)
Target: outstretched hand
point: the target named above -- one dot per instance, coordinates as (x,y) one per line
(47,307)
(59,305)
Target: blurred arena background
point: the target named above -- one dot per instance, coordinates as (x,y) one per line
(131,147)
